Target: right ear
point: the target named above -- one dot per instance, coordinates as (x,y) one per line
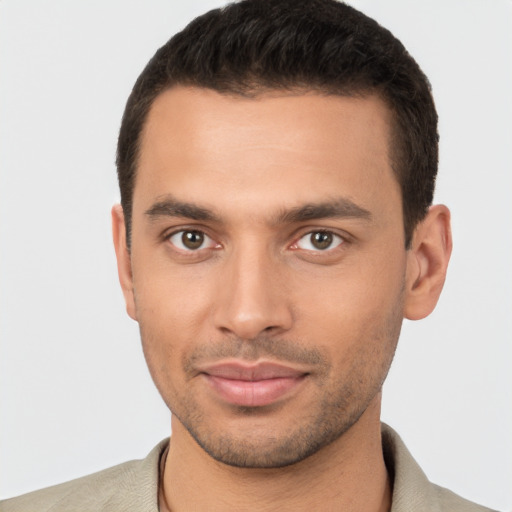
(124,265)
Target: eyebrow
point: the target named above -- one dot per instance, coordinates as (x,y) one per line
(171,207)
(337,208)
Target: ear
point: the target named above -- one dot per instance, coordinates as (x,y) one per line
(124,267)
(427,261)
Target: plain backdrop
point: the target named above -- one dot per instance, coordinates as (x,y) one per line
(75,393)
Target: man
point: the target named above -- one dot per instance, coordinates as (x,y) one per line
(276,162)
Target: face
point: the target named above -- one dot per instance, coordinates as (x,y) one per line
(267,267)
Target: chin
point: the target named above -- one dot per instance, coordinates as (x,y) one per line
(270,446)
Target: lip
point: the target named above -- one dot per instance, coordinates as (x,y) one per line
(252,385)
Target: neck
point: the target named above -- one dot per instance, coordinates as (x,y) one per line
(348,474)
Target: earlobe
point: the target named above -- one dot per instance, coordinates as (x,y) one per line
(427,262)
(124,268)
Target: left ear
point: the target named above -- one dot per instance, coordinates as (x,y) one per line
(427,261)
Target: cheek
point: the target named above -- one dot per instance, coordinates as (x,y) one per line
(358,305)
(361,341)
(357,290)
(170,296)
(171,315)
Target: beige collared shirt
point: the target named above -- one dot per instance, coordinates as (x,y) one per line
(133,486)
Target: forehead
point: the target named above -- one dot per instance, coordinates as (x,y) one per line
(290,148)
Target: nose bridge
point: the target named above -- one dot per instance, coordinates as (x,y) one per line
(251,300)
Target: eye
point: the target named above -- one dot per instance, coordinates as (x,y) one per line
(319,241)
(191,240)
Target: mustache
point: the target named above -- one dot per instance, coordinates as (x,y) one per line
(263,347)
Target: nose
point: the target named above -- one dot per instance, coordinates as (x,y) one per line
(252,298)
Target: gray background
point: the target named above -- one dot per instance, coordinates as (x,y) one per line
(75,395)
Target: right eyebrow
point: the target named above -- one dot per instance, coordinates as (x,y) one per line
(170,207)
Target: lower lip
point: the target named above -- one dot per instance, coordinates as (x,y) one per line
(254,393)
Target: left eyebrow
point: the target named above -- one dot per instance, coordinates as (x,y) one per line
(337,209)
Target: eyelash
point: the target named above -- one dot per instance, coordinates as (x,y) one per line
(170,236)
(337,238)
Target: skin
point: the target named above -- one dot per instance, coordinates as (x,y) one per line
(236,175)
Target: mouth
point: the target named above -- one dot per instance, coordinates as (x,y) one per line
(254,385)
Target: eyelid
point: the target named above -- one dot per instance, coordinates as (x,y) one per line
(172,230)
(184,229)
(344,237)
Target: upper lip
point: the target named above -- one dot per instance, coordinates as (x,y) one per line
(237,370)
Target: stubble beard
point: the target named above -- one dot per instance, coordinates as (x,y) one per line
(264,450)
(339,406)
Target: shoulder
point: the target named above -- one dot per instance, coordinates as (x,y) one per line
(411,488)
(451,502)
(129,486)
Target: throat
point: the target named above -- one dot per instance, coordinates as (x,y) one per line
(338,476)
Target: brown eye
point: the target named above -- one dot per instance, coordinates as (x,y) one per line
(319,241)
(191,240)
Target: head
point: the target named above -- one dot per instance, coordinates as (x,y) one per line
(276,163)
(253,47)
